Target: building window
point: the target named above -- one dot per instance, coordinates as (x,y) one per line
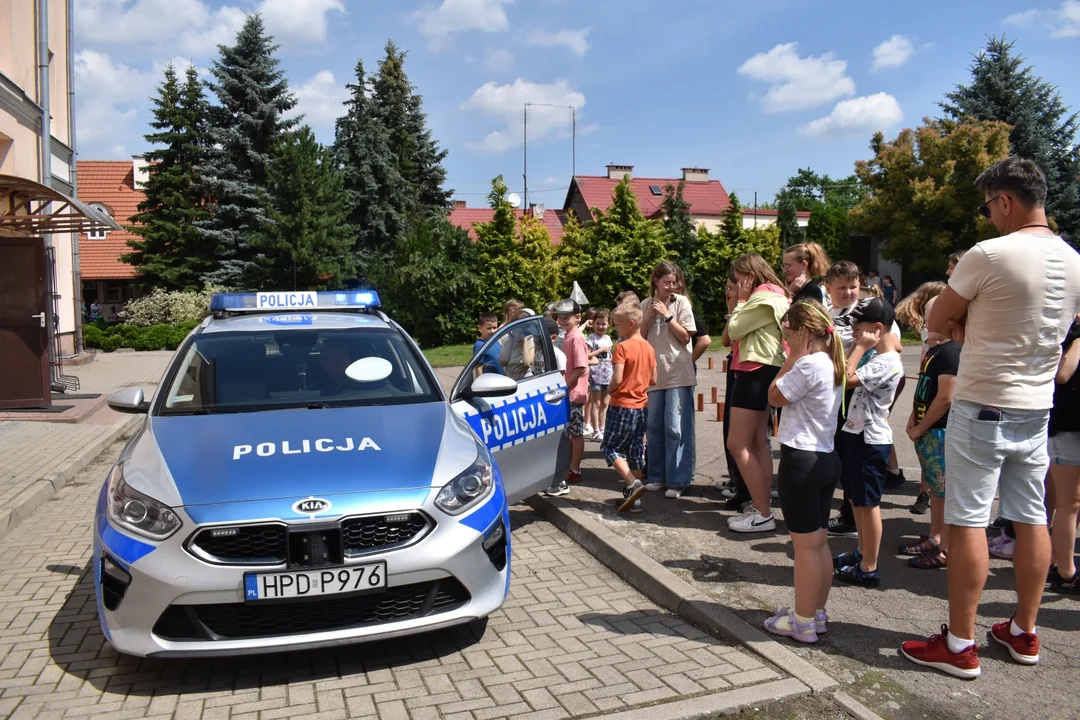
(98,234)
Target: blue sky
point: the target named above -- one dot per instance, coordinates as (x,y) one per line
(751,90)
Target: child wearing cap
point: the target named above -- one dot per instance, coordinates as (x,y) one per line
(865,440)
(568,315)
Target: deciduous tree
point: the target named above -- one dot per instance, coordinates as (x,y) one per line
(923,204)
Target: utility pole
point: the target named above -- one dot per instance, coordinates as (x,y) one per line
(525,142)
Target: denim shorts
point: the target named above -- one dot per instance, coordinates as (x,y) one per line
(1064,448)
(985,457)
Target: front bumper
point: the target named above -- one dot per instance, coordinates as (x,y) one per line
(445,579)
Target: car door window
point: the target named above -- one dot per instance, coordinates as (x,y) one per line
(521,349)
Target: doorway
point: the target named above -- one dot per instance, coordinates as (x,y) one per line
(24,349)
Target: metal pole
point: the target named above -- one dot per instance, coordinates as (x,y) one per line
(573,141)
(76,271)
(525,144)
(755,209)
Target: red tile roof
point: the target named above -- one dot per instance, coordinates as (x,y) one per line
(466,218)
(705,198)
(111,183)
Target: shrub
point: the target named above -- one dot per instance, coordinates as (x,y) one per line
(163,307)
(155,337)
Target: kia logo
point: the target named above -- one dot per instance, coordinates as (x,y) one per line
(311,506)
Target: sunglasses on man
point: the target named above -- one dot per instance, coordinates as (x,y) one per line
(984,209)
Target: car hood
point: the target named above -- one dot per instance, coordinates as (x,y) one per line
(241,457)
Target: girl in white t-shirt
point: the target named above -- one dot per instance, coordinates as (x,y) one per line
(810,389)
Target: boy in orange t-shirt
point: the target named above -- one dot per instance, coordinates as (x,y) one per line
(634,371)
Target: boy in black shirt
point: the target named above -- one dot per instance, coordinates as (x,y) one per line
(926,428)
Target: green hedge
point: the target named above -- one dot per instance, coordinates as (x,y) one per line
(155,337)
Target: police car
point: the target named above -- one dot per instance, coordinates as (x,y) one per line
(302,480)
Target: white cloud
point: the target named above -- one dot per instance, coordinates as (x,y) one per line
(1068,20)
(1021,19)
(302,21)
(320,99)
(1062,23)
(439,22)
(892,53)
(507,102)
(798,82)
(857,116)
(500,61)
(106,93)
(574,40)
(193,26)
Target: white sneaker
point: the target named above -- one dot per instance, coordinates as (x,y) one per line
(674,493)
(588,430)
(741,515)
(722,485)
(727,492)
(598,436)
(753,522)
(655,487)
(775,494)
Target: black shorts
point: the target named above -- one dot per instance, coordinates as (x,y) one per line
(863,468)
(751,391)
(806,482)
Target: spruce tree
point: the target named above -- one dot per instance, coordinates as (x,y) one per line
(378,195)
(245,129)
(680,225)
(417,155)
(786,218)
(171,253)
(1005,89)
(306,243)
(732,226)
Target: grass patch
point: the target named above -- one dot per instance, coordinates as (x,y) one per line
(449,355)
(907,337)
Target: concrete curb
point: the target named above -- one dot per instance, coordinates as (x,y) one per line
(669,591)
(43,488)
(705,706)
(853,706)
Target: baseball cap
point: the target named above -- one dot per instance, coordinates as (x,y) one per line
(568,306)
(873,310)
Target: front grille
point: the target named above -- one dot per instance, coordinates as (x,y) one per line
(362,535)
(250,544)
(234,621)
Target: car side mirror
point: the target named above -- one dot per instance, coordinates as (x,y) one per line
(129,400)
(491,385)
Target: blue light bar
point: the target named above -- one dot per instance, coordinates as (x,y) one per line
(300,300)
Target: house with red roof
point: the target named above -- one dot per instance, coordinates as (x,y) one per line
(707,198)
(114,187)
(466,218)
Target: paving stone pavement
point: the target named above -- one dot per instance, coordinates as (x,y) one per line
(573,640)
(33,451)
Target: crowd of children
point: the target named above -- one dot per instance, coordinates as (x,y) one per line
(822,348)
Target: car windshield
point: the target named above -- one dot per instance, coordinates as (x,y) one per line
(247,372)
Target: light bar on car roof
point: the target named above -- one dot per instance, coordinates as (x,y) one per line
(300,300)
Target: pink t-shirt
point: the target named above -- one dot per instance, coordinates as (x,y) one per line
(577,356)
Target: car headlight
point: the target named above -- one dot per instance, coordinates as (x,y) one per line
(467,489)
(139,513)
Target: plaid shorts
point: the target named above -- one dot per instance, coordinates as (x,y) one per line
(576,427)
(624,436)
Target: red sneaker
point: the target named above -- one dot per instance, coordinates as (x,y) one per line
(1023,648)
(934,653)
(574,476)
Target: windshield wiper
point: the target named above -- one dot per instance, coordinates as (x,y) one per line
(318,406)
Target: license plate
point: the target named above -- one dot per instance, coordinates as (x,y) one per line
(313,583)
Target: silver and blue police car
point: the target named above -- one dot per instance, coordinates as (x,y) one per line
(302,480)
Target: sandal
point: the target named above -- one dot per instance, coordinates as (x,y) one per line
(933,560)
(923,545)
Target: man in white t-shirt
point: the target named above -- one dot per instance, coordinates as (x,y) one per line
(1015,296)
